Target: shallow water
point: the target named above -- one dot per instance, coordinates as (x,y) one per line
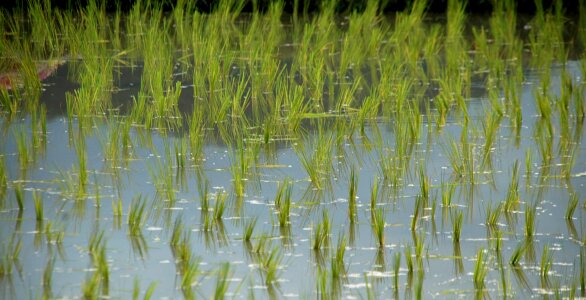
(448,266)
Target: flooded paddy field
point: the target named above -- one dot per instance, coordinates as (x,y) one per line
(177,154)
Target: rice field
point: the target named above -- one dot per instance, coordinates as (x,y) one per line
(185,154)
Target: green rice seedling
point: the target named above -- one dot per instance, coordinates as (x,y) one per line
(318,165)
(424,187)
(22,145)
(148,294)
(378,227)
(480,272)
(222,281)
(38,200)
(419,284)
(528,168)
(457,227)
(517,254)
(416,211)
(490,128)
(530,220)
(513,198)
(82,166)
(176,233)
(285,208)
(262,244)
(270,264)
(249,229)
(338,268)
(321,234)
(136,215)
(191,272)
(117,208)
(220,205)
(572,204)
(19,195)
(239,170)
(447,194)
(409,259)
(546,262)
(373,198)
(352,187)
(492,216)
(135,289)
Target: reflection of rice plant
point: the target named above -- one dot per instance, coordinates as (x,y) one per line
(10,256)
(222,281)
(3,180)
(457,226)
(396,266)
(572,204)
(417,208)
(517,254)
(270,264)
(337,261)
(48,278)
(582,270)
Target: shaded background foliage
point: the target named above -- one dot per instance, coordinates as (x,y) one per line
(343,6)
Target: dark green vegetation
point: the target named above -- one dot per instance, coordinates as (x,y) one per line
(274,155)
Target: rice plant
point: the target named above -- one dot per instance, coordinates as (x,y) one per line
(136,215)
(493,215)
(480,271)
(321,233)
(373,198)
(283,203)
(222,281)
(19,195)
(546,262)
(530,220)
(338,268)
(352,186)
(513,198)
(38,200)
(378,227)
(220,205)
(270,264)
(249,229)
